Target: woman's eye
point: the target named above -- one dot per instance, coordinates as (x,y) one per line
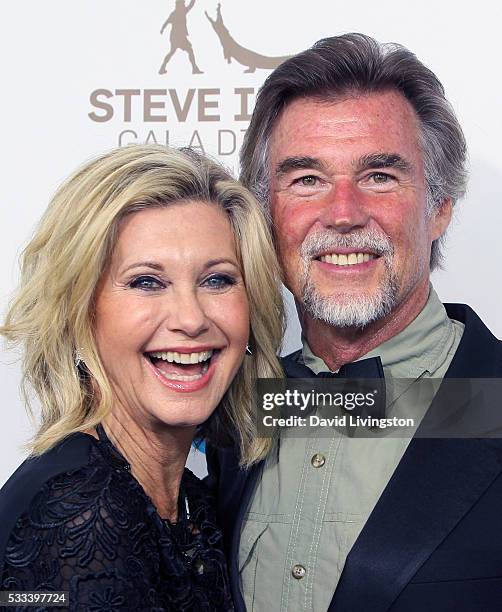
(147,283)
(219,281)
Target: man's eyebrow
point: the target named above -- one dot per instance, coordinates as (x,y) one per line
(298,163)
(383,160)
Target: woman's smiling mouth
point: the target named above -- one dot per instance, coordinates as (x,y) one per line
(183,370)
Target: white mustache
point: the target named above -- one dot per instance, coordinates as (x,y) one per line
(322,242)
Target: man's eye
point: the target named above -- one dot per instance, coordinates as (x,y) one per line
(147,283)
(218,281)
(308,181)
(380,177)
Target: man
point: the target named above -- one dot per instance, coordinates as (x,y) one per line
(360,159)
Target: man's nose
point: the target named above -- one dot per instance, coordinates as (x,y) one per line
(186,314)
(344,209)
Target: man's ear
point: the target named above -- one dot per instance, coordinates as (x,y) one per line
(440,219)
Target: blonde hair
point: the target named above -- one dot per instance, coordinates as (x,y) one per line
(51,315)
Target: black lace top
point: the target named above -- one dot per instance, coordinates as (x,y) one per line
(76,520)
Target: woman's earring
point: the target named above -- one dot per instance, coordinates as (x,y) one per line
(78,359)
(248,350)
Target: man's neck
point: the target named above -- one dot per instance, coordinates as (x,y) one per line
(337,346)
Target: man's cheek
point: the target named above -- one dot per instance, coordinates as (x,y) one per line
(289,255)
(287,234)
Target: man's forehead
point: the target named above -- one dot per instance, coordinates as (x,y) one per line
(373,102)
(385,121)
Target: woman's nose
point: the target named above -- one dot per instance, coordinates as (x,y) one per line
(186,314)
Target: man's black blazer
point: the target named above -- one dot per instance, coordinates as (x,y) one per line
(434,539)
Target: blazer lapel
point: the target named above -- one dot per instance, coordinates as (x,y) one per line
(433,487)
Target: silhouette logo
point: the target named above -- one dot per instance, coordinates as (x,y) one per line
(179,35)
(231,48)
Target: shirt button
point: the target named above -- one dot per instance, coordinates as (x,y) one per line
(298,571)
(318,460)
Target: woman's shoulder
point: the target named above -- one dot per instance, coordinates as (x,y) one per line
(76,454)
(71,453)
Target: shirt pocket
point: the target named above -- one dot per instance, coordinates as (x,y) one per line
(248,559)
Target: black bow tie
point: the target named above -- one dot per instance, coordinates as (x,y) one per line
(368,370)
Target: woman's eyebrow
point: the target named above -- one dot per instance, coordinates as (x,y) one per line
(215,262)
(154,265)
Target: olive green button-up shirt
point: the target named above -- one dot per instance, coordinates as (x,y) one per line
(316,492)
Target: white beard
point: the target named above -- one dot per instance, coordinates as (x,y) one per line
(344,309)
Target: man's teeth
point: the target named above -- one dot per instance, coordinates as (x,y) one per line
(183,358)
(347,260)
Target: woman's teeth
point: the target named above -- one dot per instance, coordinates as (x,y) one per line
(183,358)
(348,259)
(183,367)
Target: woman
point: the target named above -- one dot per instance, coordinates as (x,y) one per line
(149,275)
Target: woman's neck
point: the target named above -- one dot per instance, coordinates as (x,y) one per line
(157,458)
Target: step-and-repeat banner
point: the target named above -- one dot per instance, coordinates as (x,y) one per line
(84,76)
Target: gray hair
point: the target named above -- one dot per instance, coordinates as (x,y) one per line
(351,65)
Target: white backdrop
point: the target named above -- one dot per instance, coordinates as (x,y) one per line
(57,53)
